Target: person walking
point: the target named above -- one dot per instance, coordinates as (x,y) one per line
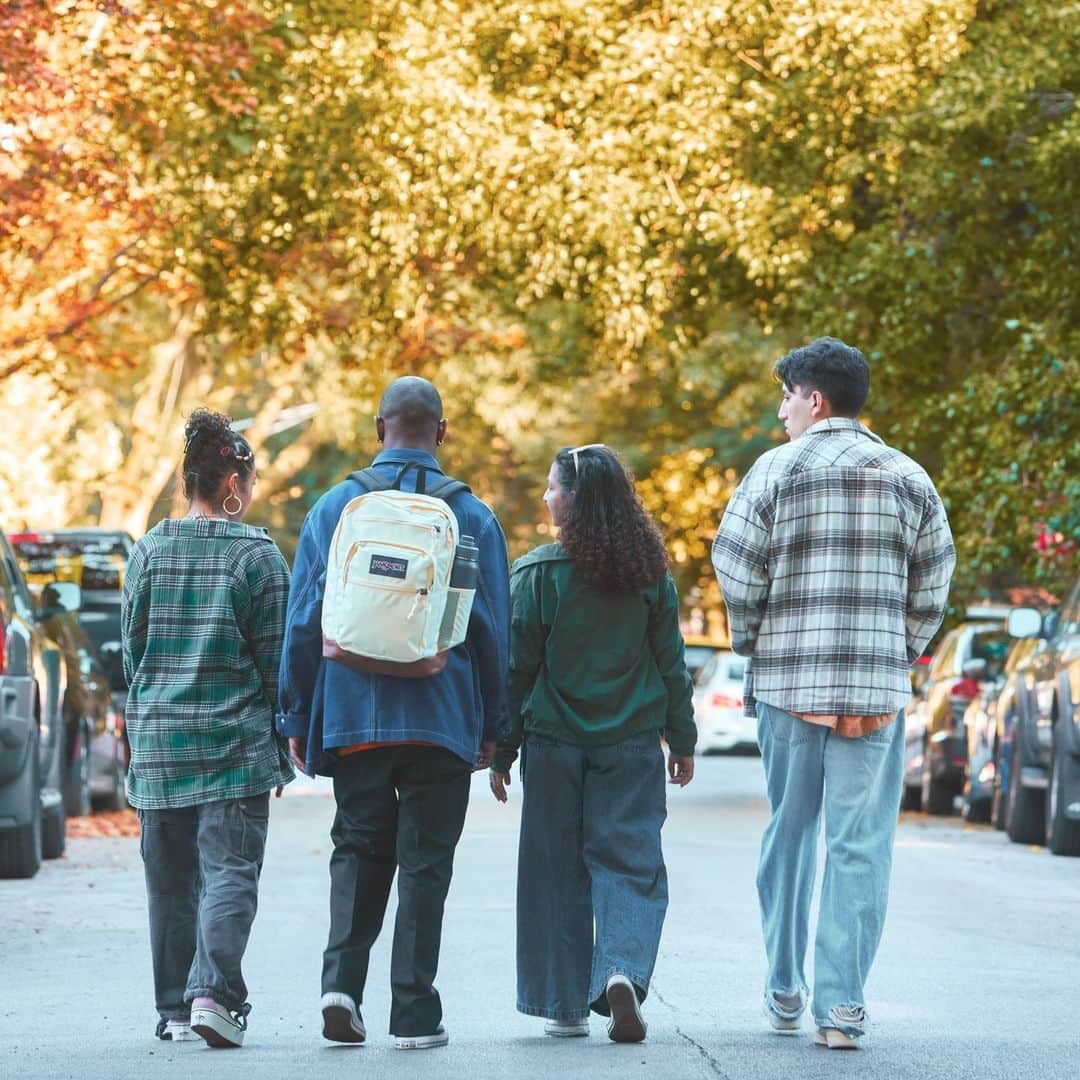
(203,612)
(401,750)
(597,676)
(834,557)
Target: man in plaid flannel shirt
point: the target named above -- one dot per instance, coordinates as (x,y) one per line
(834,557)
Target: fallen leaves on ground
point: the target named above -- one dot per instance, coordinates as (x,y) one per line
(115,823)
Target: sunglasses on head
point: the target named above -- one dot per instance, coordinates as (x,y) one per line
(574,451)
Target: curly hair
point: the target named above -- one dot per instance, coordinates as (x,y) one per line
(212,450)
(607,531)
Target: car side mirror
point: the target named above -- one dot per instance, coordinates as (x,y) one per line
(978,670)
(1025,622)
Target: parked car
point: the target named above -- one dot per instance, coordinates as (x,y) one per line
(935,753)
(33,686)
(988,725)
(698,651)
(95,559)
(1044,777)
(95,751)
(718,705)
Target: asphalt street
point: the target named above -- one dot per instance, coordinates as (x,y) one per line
(978,975)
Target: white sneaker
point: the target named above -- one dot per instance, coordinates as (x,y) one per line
(566,1029)
(783,1013)
(626,1023)
(341,1019)
(219,1027)
(835,1039)
(176,1031)
(440,1037)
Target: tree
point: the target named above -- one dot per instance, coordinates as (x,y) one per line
(961,284)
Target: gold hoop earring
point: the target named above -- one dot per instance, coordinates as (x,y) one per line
(239,505)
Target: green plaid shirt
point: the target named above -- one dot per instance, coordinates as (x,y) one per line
(203,621)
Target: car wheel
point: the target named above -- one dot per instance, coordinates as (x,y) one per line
(1025,820)
(77,777)
(117,798)
(937,798)
(20,848)
(978,813)
(53,831)
(1062,833)
(1001,795)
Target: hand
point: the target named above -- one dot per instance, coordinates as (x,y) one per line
(485,756)
(278,790)
(680,768)
(298,752)
(499,781)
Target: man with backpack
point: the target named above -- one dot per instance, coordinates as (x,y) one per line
(398,729)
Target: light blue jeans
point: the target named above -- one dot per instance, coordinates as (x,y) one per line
(592,886)
(857,782)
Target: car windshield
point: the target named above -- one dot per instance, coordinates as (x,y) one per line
(93,562)
(991,646)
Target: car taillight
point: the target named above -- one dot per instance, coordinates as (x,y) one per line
(3,650)
(726,701)
(964,690)
(25,538)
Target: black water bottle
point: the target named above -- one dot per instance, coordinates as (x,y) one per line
(466,564)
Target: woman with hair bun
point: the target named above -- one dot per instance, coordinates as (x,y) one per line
(597,675)
(203,620)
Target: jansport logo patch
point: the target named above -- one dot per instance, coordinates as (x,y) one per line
(388,566)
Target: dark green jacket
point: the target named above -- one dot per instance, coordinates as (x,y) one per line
(590,668)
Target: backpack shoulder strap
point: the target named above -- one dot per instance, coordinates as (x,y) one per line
(369,480)
(445,488)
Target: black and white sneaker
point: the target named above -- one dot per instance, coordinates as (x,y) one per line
(341,1019)
(439,1037)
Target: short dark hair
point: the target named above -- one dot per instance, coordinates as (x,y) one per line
(412,404)
(212,450)
(838,371)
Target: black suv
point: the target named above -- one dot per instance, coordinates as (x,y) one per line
(1044,775)
(33,684)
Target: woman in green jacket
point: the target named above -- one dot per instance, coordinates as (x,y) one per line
(597,676)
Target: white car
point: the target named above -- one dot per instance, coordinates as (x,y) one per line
(718,705)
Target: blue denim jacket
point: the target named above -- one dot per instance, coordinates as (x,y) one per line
(334,706)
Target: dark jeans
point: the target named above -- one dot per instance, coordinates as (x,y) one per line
(202,867)
(592,886)
(398,808)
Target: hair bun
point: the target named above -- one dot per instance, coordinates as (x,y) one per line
(203,420)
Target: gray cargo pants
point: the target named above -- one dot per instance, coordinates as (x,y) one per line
(202,867)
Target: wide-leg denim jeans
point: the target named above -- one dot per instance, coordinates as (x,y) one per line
(202,866)
(589,857)
(857,782)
